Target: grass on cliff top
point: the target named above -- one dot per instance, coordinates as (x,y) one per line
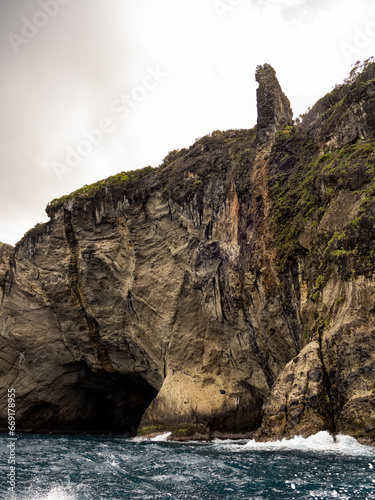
(39,228)
(124,179)
(120,180)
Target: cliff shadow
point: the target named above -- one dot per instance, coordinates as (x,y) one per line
(90,402)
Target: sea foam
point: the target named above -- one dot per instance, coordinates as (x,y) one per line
(323,441)
(55,493)
(161,437)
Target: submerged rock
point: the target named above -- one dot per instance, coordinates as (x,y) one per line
(228,292)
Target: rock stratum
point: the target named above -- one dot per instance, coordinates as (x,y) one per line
(228,292)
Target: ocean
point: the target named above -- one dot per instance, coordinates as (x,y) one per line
(51,467)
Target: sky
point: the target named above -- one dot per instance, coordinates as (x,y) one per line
(90,88)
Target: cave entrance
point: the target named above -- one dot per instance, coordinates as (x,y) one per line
(110,402)
(94,402)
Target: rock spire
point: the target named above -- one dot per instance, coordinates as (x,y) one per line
(274,111)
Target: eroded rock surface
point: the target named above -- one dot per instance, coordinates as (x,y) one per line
(274,111)
(229,291)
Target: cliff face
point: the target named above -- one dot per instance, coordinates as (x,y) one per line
(230,290)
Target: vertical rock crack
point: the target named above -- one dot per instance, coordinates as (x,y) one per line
(73,273)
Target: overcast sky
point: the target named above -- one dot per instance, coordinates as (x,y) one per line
(93,87)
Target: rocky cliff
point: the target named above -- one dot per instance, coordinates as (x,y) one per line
(228,292)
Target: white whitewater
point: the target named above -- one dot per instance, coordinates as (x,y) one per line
(56,493)
(323,441)
(161,437)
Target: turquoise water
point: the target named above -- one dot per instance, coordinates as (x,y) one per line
(105,467)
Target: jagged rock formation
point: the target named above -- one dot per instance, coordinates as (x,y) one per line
(229,291)
(274,111)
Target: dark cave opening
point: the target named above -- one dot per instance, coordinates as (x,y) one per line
(114,402)
(96,403)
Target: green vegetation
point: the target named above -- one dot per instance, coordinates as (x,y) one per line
(340,301)
(319,326)
(327,109)
(316,295)
(150,429)
(337,236)
(284,133)
(204,147)
(34,230)
(355,221)
(189,430)
(327,320)
(319,281)
(338,252)
(178,431)
(326,158)
(121,181)
(293,194)
(318,286)
(305,188)
(172,156)
(304,184)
